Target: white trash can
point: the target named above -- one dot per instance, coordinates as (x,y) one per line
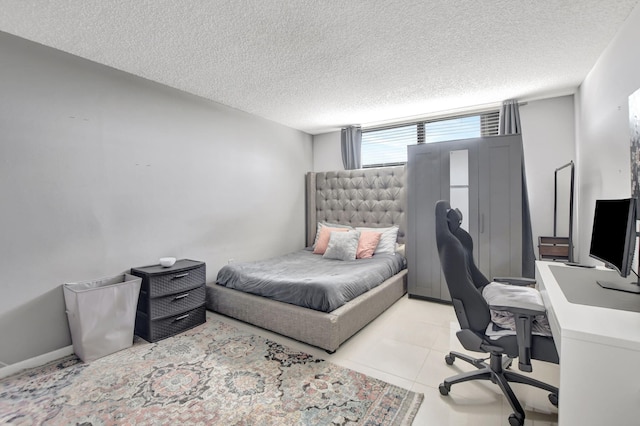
(102,314)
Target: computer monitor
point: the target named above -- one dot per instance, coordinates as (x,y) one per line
(613,239)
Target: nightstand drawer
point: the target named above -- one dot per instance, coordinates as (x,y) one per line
(172,304)
(158,281)
(154,330)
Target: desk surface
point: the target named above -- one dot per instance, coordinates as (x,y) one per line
(598,324)
(577,285)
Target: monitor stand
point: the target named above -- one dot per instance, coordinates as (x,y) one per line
(633,287)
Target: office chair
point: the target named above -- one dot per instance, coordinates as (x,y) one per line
(465,283)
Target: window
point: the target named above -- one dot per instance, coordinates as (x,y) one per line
(387,146)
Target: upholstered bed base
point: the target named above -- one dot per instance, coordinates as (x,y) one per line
(324,330)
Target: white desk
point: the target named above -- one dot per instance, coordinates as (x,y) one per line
(599,348)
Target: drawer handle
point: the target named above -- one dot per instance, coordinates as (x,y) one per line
(175,277)
(181,317)
(182,296)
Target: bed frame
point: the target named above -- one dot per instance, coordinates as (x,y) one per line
(369,197)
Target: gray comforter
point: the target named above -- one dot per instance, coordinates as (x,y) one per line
(308,280)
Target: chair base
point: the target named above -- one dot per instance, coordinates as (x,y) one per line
(494,372)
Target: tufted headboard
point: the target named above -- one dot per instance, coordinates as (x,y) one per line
(365,197)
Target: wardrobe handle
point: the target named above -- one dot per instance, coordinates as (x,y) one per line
(482,223)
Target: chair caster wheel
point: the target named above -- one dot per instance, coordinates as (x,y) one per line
(516,420)
(449,359)
(444,389)
(553,398)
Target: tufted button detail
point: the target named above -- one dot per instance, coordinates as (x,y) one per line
(370,198)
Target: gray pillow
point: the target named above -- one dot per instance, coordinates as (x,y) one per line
(342,246)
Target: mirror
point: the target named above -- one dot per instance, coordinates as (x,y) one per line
(459,183)
(563,204)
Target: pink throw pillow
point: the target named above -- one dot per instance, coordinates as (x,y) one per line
(323,238)
(367,244)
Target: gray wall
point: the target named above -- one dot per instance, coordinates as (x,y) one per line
(327,154)
(602,127)
(548,138)
(103,171)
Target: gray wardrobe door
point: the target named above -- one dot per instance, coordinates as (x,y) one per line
(499,247)
(423,190)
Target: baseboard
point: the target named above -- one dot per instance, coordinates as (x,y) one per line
(35,361)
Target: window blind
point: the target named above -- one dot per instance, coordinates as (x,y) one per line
(387,146)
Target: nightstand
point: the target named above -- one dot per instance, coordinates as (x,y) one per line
(171,300)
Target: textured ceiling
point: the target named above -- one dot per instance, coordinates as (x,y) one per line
(317,65)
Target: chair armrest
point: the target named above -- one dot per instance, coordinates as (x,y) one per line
(523,313)
(524,304)
(515,280)
(520,308)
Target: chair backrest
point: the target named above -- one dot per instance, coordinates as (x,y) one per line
(464,280)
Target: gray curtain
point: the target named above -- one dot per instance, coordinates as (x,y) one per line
(351,147)
(509,118)
(509,124)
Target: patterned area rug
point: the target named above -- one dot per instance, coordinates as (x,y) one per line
(212,374)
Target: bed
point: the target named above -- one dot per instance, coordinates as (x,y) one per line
(374,198)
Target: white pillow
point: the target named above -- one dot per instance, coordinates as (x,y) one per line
(330,225)
(342,246)
(388,238)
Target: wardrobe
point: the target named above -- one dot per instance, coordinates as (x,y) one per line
(483,178)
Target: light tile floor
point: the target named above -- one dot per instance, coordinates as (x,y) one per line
(406,346)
